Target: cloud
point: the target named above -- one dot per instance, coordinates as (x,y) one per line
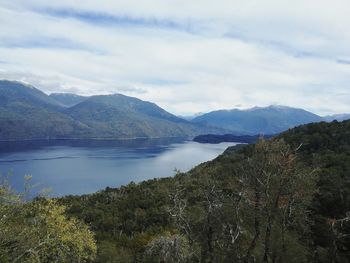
(130,89)
(187,56)
(105,19)
(343,61)
(43,42)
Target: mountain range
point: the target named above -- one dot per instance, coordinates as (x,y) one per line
(267,120)
(337,117)
(263,120)
(28,113)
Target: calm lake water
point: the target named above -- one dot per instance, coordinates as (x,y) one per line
(80,167)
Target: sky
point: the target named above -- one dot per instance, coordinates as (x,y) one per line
(186,56)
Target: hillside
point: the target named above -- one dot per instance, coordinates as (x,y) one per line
(28,113)
(268,120)
(209,212)
(122,116)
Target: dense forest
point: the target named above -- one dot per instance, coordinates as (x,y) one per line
(286,199)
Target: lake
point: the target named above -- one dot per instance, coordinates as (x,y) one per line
(81,166)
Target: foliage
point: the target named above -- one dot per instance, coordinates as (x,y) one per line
(169,248)
(327,146)
(39,231)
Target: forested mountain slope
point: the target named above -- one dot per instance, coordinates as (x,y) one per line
(122,117)
(28,113)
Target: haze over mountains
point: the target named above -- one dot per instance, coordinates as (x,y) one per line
(28,113)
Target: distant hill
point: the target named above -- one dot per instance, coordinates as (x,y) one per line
(258,120)
(337,117)
(214,138)
(67,99)
(28,113)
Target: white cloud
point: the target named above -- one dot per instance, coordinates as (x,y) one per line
(187,56)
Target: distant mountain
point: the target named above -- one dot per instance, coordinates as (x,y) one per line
(28,113)
(258,120)
(67,99)
(16,96)
(337,117)
(122,116)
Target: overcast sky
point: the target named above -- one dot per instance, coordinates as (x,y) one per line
(187,56)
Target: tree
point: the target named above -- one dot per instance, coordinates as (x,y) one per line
(39,231)
(340,236)
(170,248)
(260,213)
(277,193)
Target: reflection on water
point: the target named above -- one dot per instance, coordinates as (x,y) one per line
(85,166)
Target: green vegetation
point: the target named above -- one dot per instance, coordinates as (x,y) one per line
(39,231)
(284,200)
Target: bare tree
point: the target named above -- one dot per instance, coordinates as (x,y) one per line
(276,195)
(339,234)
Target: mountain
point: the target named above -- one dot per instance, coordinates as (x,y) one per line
(67,99)
(122,116)
(28,113)
(216,204)
(337,117)
(16,96)
(258,120)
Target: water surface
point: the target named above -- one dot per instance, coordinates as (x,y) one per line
(79,167)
